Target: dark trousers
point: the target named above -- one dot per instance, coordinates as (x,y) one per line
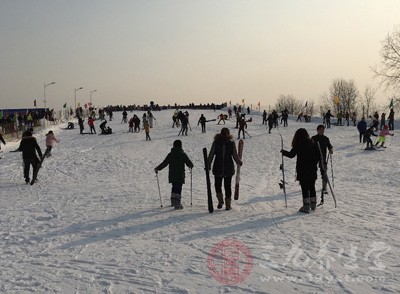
(227,185)
(48,151)
(176,188)
(308,191)
(203,128)
(27,164)
(361,137)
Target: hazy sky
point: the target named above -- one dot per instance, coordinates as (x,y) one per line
(185,51)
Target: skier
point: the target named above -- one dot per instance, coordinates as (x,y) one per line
(29,147)
(202,121)
(91,124)
(242,126)
(306,167)
(325,145)
(50,139)
(362,128)
(367,138)
(224,149)
(176,159)
(382,135)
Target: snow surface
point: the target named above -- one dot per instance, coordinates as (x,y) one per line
(93,222)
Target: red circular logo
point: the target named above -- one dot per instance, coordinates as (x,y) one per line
(230,262)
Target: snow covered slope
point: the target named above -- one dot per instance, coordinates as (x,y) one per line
(93,222)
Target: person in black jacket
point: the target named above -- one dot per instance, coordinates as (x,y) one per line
(29,147)
(306,167)
(224,150)
(325,145)
(202,121)
(362,128)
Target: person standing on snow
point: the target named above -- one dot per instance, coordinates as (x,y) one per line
(91,124)
(176,160)
(306,167)
(224,150)
(29,147)
(50,139)
(325,145)
(202,121)
(362,128)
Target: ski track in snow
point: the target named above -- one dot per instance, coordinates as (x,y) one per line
(93,223)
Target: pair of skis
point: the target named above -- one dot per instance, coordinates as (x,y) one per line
(237,183)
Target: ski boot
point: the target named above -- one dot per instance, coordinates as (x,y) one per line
(228,203)
(220,198)
(178,204)
(306,206)
(173,195)
(313,203)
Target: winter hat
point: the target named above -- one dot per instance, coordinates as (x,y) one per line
(320,127)
(177,144)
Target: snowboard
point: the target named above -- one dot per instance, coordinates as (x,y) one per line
(209,194)
(35,174)
(240,154)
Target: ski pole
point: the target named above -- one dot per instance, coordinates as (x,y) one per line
(191,187)
(159,191)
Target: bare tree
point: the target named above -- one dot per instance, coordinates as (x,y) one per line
(342,96)
(367,100)
(293,105)
(389,70)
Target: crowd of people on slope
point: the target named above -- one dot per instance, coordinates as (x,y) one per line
(311,153)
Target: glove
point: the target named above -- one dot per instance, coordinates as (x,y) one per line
(156,170)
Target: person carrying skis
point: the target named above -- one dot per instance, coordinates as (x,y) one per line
(306,167)
(50,139)
(29,147)
(224,150)
(176,161)
(367,138)
(362,128)
(325,145)
(382,135)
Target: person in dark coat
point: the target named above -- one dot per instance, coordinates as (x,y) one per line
(367,138)
(176,160)
(325,145)
(306,167)
(242,127)
(29,147)
(202,121)
(270,121)
(224,151)
(80,122)
(362,128)
(327,118)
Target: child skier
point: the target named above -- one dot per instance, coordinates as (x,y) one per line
(367,138)
(176,159)
(50,139)
(382,135)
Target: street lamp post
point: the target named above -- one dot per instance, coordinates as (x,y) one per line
(91,96)
(44,93)
(75,95)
